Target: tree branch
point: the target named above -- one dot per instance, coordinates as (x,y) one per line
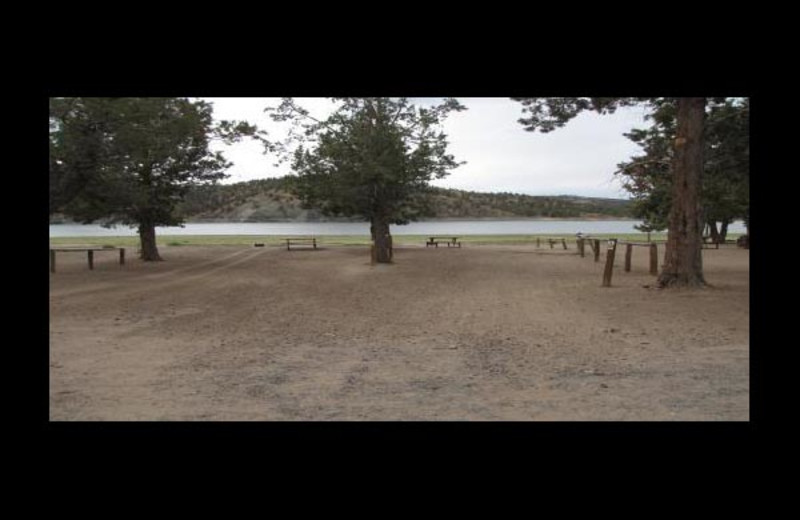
(639,163)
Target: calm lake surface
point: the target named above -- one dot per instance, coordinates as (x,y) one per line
(440,227)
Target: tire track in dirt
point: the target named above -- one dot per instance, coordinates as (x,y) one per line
(209,272)
(106,286)
(142,347)
(153,308)
(156,276)
(441,335)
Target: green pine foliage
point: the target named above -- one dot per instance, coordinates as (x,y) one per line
(725,190)
(132,160)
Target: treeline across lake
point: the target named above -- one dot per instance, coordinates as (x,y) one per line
(268,200)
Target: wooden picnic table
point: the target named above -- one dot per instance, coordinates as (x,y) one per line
(89,254)
(449,240)
(290,240)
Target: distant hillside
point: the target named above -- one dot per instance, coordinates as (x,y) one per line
(269,200)
(470,204)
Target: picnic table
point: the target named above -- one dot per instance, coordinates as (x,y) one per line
(300,240)
(436,240)
(710,241)
(89,254)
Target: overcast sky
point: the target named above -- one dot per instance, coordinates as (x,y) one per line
(579,159)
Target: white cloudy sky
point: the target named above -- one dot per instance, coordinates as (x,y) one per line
(578,159)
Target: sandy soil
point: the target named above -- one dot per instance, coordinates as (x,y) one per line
(478,333)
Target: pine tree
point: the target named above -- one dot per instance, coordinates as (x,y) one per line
(372,158)
(130,160)
(683,264)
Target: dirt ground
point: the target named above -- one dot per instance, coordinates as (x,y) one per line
(483,333)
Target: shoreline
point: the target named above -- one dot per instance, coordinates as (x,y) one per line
(345,240)
(344,221)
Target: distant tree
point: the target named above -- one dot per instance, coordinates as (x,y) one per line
(726,186)
(371,158)
(648,177)
(725,182)
(683,264)
(130,160)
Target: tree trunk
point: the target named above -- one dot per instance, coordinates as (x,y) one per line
(723,230)
(712,231)
(683,260)
(147,239)
(382,239)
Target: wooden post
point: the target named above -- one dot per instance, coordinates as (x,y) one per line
(122,256)
(537,242)
(564,242)
(580,247)
(551,242)
(596,249)
(653,259)
(609,269)
(628,254)
(91,259)
(52,261)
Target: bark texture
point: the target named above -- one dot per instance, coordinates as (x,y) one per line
(382,239)
(683,260)
(148,250)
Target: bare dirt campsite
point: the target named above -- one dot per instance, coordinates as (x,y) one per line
(479,333)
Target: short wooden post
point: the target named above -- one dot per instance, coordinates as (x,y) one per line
(287,244)
(551,242)
(653,259)
(91,259)
(52,261)
(538,243)
(564,242)
(628,254)
(580,247)
(609,269)
(122,256)
(596,249)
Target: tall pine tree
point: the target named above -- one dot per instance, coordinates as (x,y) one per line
(683,265)
(371,158)
(130,160)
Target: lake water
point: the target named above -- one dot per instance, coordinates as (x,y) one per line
(440,227)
